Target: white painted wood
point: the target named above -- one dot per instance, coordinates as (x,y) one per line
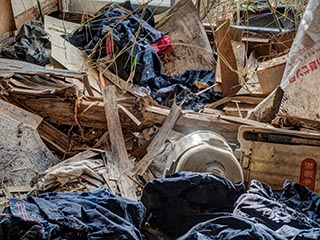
(92,6)
(65,53)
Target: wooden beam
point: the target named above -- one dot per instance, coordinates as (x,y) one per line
(193,121)
(242,98)
(6,17)
(89,114)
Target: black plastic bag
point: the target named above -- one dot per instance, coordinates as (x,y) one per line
(29,44)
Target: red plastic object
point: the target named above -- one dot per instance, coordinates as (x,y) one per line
(109,46)
(308,173)
(162,43)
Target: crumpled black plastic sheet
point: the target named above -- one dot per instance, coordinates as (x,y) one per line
(265,214)
(29,44)
(133,34)
(95,214)
(178,202)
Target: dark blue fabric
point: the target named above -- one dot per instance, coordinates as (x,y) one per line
(200,206)
(93,215)
(230,227)
(265,214)
(133,36)
(178,202)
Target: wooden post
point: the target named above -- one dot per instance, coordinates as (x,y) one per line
(228,63)
(6,17)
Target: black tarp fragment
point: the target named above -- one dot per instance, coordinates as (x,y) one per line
(178,202)
(137,59)
(96,214)
(29,44)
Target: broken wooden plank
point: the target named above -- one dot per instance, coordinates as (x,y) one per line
(158,140)
(228,65)
(250,99)
(190,47)
(192,121)
(9,67)
(262,46)
(54,137)
(285,121)
(124,85)
(239,49)
(130,115)
(268,108)
(270,73)
(122,164)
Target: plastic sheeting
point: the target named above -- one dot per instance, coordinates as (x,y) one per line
(132,39)
(29,44)
(95,214)
(178,202)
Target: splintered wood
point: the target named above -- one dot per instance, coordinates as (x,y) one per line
(158,140)
(120,165)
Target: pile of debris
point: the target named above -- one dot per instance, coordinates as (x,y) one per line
(97,110)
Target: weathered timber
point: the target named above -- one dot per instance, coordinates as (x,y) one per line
(228,64)
(250,99)
(285,121)
(54,137)
(68,55)
(29,10)
(190,45)
(270,73)
(88,113)
(10,67)
(119,161)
